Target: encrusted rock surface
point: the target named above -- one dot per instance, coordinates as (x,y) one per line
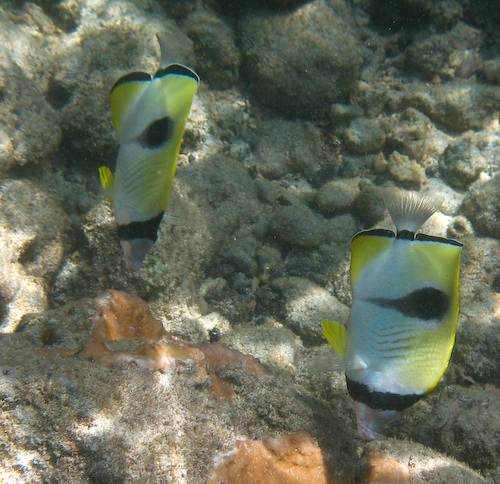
(305,109)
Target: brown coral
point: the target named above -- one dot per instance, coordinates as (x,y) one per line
(122,316)
(125,316)
(379,468)
(286,459)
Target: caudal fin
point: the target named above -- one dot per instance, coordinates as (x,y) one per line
(409,210)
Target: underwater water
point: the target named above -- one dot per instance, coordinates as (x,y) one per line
(203,358)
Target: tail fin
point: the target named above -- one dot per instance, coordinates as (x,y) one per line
(409,210)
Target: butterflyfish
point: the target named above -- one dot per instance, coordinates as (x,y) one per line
(149,114)
(404,313)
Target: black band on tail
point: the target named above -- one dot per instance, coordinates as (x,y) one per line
(147,229)
(380,400)
(131,77)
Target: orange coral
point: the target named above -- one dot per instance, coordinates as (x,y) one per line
(379,468)
(286,459)
(122,316)
(125,316)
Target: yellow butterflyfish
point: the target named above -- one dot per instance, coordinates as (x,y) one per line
(404,314)
(149,114)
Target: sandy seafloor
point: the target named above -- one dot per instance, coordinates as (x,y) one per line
(303,110)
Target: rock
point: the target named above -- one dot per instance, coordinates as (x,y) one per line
(413,134)
(300,62)
(459,228)
(212,288)
(364,135)
(461,164)
(390,461)
(287,146)
(465,433)
(487,141)
(451,199)
(406,13)
(490,69)
(448,55)
(337,196)
(481,206)
(89,417)
(30,131)
(32,247)
(274,345)
(241,254)
(306,304)
(343,113)
(218,56)
(340,230)
(228,112)
(457,105)
(269,263)
(476,349)
(405,171)
(296,225)
(369,206)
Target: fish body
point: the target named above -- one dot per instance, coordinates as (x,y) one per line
(149,114)
(404,314)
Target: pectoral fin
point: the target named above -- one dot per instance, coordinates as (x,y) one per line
(106,178)
(335,334)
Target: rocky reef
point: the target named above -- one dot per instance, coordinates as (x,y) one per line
(208,364)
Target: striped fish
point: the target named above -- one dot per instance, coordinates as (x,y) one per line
(404,314)
(149,114)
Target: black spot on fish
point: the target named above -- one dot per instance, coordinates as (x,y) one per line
(157,133)
(426,303)
(380,400)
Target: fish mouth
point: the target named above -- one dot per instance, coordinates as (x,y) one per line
(371,421)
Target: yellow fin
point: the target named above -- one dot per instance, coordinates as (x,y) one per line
(124,94)
(335,334)
(106,178)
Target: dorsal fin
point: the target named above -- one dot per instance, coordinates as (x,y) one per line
(409,210)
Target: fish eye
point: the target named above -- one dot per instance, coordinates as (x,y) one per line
(157,133)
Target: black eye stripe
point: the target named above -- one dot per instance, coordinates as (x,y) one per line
(425,303)
(380,400)
(157,133)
